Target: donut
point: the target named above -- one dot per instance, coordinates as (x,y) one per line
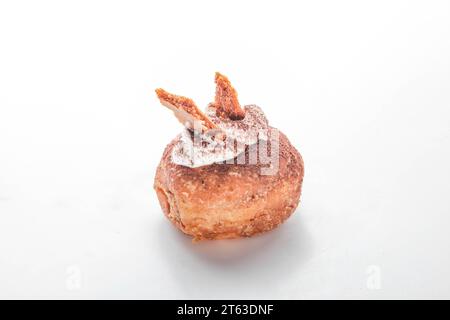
(228,174)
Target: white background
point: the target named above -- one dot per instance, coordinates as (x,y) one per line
(361,88)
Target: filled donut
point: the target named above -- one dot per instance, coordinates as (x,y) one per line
(228,174)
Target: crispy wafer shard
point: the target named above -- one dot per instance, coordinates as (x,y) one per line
(226,100)
(186,111)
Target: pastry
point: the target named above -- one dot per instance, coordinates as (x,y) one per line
(228,174)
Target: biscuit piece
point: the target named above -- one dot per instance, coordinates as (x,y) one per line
(226,100)
(185,111)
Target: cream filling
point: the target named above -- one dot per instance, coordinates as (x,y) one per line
(196,150)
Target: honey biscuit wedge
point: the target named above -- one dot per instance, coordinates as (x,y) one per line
(226,100)
(186,111)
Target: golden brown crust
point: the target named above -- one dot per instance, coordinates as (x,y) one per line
(221,201)
(185,110)
(226,100)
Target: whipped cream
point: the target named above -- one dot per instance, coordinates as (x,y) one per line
(196,150)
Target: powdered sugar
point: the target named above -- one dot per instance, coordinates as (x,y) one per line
(196,150)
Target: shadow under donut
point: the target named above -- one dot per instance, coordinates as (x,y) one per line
(236,268)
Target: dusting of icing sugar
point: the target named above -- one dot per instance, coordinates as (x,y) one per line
(196,150)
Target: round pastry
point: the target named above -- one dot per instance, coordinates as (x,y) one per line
(228,174)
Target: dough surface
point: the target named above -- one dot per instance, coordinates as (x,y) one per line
(223,201)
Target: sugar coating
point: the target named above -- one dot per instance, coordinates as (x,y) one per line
(196,150)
